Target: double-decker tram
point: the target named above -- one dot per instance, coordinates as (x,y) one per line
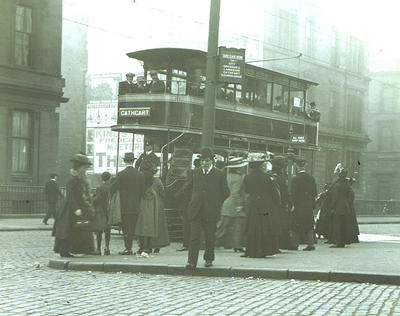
(256,115)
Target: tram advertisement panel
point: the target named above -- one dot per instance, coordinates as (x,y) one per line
(231,64)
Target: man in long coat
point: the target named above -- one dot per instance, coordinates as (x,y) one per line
(303,191)
(52,190)
(130,184)
(209,190)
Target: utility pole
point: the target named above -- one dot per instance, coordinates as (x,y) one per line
(207,138)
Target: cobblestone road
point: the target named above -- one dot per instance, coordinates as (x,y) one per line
(28,287)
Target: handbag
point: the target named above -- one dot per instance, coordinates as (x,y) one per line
(114,210)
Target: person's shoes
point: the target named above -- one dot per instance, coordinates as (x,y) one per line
(66,255)
(138,252)
(157,250)
(337,246)
(208,264)
(106,252)
(182,249)
(125,252)
(309,248)
(189,266)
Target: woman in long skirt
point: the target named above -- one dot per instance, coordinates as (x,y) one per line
(262,203)
(72,227)
(162,236)
(231,227)
(147,223)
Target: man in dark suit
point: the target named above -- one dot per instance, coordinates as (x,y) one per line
(52,190)
(303,191)
(148,156)
(127,86)
(156,85)
(209,190)
(130,184)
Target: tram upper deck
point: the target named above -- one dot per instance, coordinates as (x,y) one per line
(264,107)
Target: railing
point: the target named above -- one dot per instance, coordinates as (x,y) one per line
(377,207)
(22,200)
(30,200)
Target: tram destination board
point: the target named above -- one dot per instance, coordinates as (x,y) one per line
(298,139)
(231,64)
(134,112)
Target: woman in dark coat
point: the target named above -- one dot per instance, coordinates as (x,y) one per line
(352,218)
(72,227)
(341,196)
(262,202)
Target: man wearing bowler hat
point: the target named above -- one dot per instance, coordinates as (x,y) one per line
(209,190)
(303,191)
(148,156)
(130,184)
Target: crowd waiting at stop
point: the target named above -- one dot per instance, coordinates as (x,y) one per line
(247,204)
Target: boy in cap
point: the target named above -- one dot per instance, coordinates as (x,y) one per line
(52,190)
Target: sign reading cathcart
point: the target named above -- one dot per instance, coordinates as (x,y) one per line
(134,112)
(231,64)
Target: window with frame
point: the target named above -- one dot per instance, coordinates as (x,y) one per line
(335,48)
(21,141)
(309,37)
(287,30)
(23,36)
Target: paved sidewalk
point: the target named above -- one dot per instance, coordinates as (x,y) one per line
(35,223)
(374,260)
(366,262)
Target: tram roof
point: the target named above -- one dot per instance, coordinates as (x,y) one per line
(185,59)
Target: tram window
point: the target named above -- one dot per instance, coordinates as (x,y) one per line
(297,102)
(278,98)
(178,86)
(230,92)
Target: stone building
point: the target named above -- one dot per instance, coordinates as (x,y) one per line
(31,89)
(383,174)
(336,60)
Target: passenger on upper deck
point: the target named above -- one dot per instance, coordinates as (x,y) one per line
(142,85)
(127,86)
(279,105)
(156,85)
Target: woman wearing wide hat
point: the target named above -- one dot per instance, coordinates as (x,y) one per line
(72,223)
(231,227)
(262,202)
(341,202)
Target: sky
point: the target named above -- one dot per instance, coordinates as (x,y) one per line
(377,22)
(119,26)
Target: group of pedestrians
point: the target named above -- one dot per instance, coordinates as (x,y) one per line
(249,207)
(133,200)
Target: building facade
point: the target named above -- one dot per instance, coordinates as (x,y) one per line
(338,62)
(383,156)
(31,89)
